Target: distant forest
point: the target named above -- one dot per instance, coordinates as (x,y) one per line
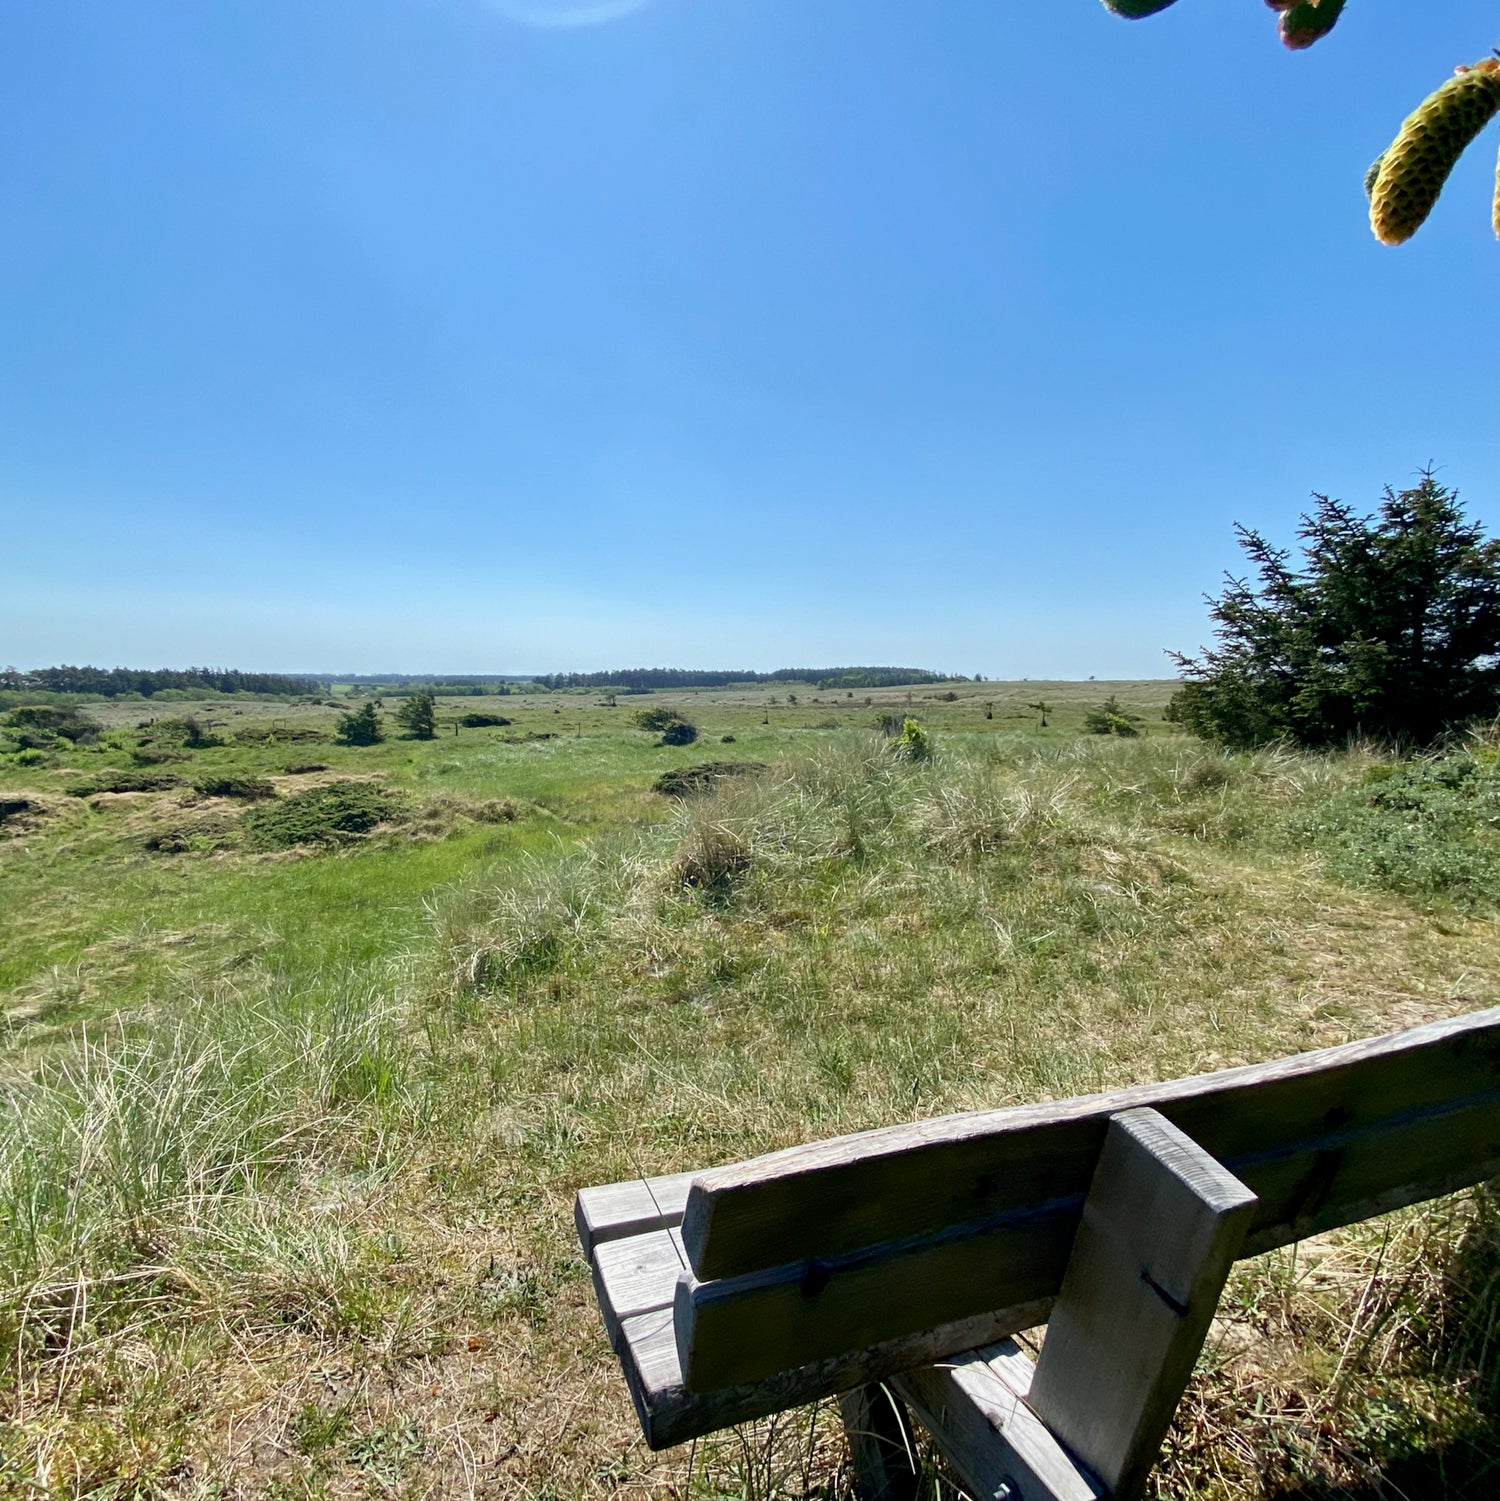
(114,682)
(643,679)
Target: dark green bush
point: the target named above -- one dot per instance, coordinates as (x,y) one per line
(333,814)
(1427,828)
(127,781)
(362,727)
(186,731)
(681,733)
(247,788)
(689,781)
(39,725)
(482,721)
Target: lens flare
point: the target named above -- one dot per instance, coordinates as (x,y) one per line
(565,13)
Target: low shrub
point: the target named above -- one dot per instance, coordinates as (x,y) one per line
(681,733)
(144,756)
(914,743)
(657,720)
(44,723)
(689,781)
(304,768)
(482,721)
(127,781)
(1427,828)
(246,788)
(13,807)
(333,814)
(1112,718)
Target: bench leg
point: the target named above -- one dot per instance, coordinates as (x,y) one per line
(880,1444)
(1160,1229)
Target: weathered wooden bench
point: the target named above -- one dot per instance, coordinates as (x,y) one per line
(892,1267)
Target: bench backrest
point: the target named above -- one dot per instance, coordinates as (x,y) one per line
(800,1260)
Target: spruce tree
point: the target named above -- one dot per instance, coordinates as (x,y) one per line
(418,715)
(362,727)
(1389,628)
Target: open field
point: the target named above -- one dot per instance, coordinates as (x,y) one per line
(294,1129)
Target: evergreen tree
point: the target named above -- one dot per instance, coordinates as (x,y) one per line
(418,715)
(362,727)
(1112,718)
(1390,628)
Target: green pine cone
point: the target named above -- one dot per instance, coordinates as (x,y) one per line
(1135,10)
(1308,21)
(1431,140)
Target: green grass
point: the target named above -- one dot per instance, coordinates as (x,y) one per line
(292,1136)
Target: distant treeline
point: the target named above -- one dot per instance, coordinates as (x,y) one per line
(644,679)
(463,686)
(113,682)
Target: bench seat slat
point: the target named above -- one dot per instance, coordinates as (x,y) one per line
(614,1211)
(974,1406)
(637,1275)
(670,1414)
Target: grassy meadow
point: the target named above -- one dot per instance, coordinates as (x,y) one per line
(292,1128)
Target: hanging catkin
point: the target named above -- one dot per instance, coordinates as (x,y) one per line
(1415,167)
(1135,10)
(1307,21)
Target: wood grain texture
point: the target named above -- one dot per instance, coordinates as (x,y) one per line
(670,1414)
(635,1276)
(1161,1226)
(974,1406)
(882,1448)
(616,1210)
(1293,1121)
(1324,1139)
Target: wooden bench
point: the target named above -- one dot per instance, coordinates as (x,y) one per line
(891,1268)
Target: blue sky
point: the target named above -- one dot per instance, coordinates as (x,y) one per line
(487,335)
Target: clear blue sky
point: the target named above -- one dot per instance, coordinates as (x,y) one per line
(435,334)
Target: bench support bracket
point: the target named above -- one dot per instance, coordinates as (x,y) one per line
(1161,1226)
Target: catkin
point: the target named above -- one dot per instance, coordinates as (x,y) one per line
(1307,21)
(1372,175)
(1135,10)
(1414,169)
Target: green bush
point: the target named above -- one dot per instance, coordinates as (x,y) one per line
(914,743)
(362,727)
(1112,718)
(333,814)
(247,788)
(656,719)
(127,781)
(482,721)
(39,725)
(689,781)
(1427,828)
(681,733)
